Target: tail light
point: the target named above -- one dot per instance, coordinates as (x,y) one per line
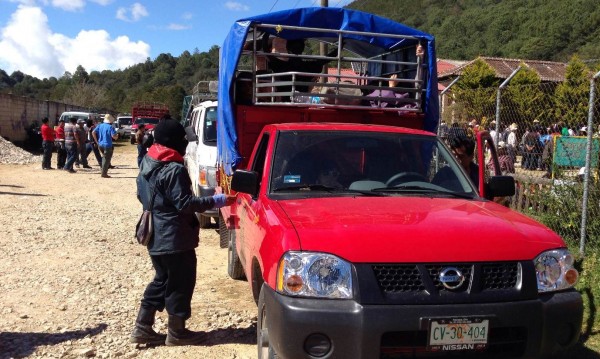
(202,177)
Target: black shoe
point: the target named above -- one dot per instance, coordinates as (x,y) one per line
(143,332)
(59,167)
(105,176)
(86,166)
(111,166)
(45,168)
(179,335)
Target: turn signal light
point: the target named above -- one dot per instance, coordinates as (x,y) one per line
(571,276)
(294,283)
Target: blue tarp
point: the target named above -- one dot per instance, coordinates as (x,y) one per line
(325,18)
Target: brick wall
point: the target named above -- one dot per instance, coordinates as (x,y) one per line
(17,113)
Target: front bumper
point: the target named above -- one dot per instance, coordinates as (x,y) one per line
(529,328)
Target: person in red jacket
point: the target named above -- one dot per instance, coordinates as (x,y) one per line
(61,151)
(47,144)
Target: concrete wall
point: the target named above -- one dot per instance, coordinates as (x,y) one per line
(17,113)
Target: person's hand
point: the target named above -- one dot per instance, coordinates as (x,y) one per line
(420,51)
(393,82)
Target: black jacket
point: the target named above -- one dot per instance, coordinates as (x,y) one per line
(176,227)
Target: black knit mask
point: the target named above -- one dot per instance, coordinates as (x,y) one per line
(171,133)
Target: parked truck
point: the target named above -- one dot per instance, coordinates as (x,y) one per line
(201,152)
(147,113)
(358,231)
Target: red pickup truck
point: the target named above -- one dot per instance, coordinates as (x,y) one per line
(359,232)
(147,113)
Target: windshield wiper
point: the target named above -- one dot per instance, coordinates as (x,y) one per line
(320,187)
(422,189)
(306,187)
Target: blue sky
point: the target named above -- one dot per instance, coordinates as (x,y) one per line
(45,38)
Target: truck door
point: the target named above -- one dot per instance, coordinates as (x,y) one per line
(250,210)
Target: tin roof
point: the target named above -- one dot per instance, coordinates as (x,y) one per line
(548,71)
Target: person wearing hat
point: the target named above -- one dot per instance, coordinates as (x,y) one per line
(104,134)
(164,188)
(59,141)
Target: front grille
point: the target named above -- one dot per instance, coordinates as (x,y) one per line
(403,278)
(398,278)
(500,275)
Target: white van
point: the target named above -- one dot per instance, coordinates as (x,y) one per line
(80,115)
(201,154)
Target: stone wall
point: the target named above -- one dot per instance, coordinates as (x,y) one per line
(17,113)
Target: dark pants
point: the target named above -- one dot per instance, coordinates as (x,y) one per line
(173,284)
(47,146)
(61,156)
(89,147)
(141,153)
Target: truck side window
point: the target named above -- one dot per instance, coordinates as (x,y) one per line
(258,164)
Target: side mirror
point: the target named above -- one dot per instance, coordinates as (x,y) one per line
(501,186)
(190,135)
(246,182)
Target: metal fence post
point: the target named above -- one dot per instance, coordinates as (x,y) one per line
(588,160)
(441,99)
(503,85)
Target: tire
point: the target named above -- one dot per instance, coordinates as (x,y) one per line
(257,281)
(204,221)
(223,232)
(234,265)
(263,345)
(132,140)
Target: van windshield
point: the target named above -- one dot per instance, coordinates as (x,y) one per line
(210,126)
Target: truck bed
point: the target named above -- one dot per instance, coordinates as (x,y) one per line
(250,120)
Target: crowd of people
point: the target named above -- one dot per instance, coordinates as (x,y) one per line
(534,145)
(73,143)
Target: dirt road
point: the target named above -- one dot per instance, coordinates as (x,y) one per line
(71,276)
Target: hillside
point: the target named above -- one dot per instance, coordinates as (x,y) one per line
(529,29)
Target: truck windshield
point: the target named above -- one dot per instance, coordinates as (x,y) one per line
(342,162)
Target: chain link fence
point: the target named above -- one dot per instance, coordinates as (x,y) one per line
(550,132)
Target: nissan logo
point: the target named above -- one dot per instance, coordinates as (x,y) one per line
(451,278)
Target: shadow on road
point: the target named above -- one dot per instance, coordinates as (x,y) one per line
(21,345)
(24,194)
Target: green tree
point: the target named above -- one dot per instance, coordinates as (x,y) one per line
(524,97)
(571,98)
(80,75)
(476,91)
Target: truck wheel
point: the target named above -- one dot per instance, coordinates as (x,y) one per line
(204,221)
(223,235)
(265,349)
(234,265)
(132,140)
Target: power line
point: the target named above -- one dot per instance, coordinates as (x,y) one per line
(276,1)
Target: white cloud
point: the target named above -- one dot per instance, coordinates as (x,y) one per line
(187,15)
(103,2)
(178,27)
(69,5)
(134,13)
(236,6)
(27,44)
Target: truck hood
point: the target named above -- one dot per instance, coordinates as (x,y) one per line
(416,229)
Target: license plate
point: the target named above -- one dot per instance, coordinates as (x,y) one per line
(458,334)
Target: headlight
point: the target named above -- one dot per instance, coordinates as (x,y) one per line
(314,275)
(554,270)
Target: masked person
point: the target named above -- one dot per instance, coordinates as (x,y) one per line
(165,182)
